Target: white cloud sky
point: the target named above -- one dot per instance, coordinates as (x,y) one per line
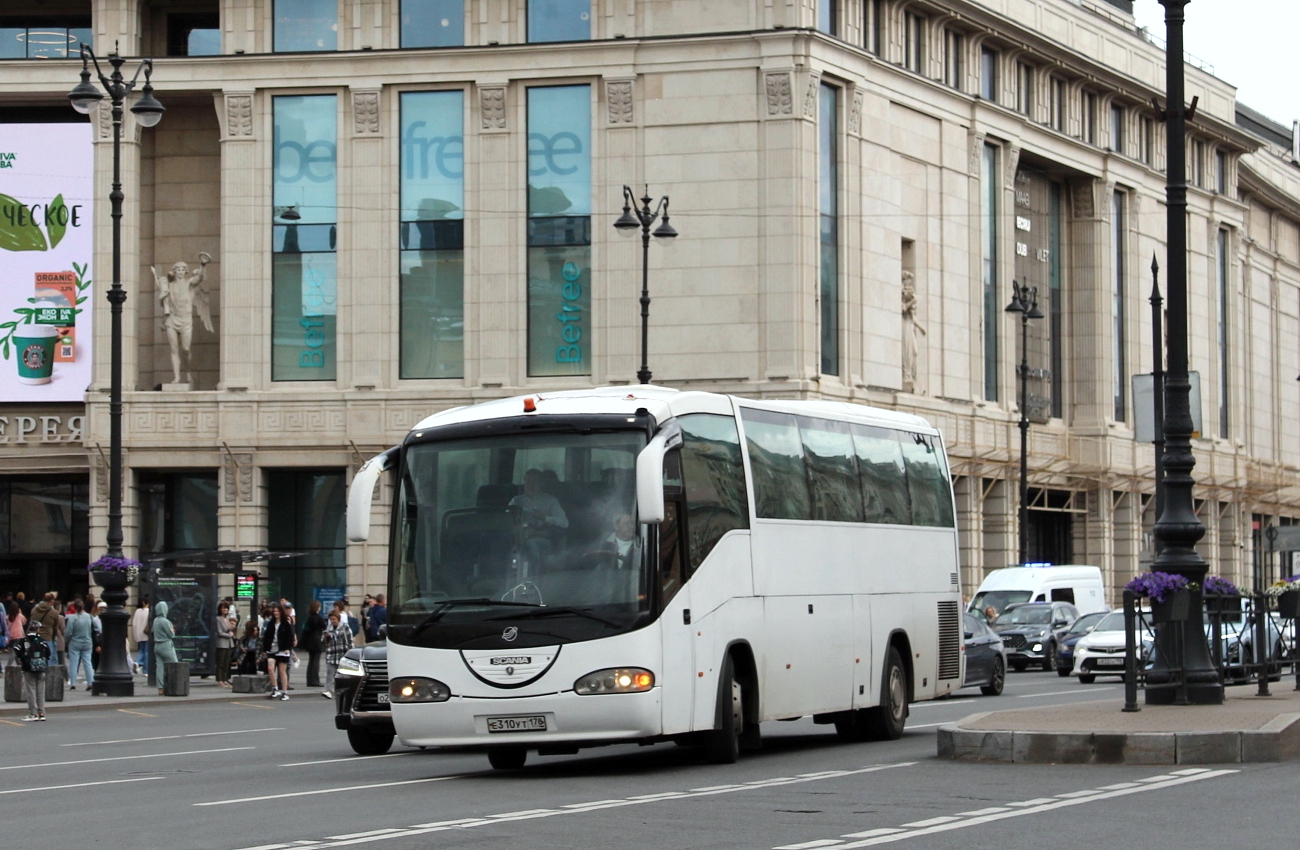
(1250,43)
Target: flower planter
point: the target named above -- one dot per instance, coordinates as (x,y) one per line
(1174,609)
(1288,605)
(112,579)
(1221,605)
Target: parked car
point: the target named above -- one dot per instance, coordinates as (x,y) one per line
(1032,632)
(1101,651)
(986,657)
(1237,638)
(1065,646)
(361,705)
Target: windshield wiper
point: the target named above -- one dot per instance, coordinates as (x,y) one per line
(443,607)
(555,610)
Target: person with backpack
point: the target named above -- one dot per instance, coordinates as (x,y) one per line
(33,656)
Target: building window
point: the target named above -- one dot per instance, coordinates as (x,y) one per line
(1221,172)
(989,74)
(305,25)
(913,41)
(1198,164)
(989,240)
(433,23)
(1056,104)
(559,230)
(1147,143)
(194,35)
(827,205)
(1024,88)
(1221,297)
(1116,128)
(873,23)
(1088,117)
(826,17)
(304,267)
(432,235)
(41,516)
(304,514)
(44,38)
(1119,369)
(954,45)
(559,20)
(178,511)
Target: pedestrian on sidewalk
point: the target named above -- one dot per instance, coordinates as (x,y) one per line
(140,634)
(164,649)
(95,614)
(79,635)
(277,644)
(312,641)
(225,643)
(46,618)
(378,618)
(251,643)
(33,655)
(17,628)
(338,640)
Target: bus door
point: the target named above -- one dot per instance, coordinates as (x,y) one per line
(677,676)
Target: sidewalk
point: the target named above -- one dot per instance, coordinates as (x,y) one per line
(1246,728)
(201,690)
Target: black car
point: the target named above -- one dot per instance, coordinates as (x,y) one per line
(986,658)
(1032,632)
(1065,646)
(361,699)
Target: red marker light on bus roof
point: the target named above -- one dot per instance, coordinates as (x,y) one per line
(529,405)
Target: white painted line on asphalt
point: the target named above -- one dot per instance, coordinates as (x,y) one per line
(662,795)
(172,737)
(872,833)
(328,790)
(121,758)
(349,758)
(930,822)
(1192,771)
(1088,793)
(1118,785)
(1161,778)
(809,845)
(445,823)
(596,803)
(994,810)
(523,813)
(79,785)
(366,834)
(715,788)
(1038,801)
(940,703)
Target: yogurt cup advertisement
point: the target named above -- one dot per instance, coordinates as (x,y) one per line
(46,244)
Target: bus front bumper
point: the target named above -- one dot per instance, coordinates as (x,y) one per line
(567,718)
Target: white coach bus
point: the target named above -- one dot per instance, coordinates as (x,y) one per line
(640,564)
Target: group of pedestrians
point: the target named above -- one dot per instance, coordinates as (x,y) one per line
(51,634)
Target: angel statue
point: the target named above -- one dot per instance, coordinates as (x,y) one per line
(911,327)
(182,293)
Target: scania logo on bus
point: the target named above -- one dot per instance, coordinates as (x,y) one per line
(510,633)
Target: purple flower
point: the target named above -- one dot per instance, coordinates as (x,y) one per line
(1221,586)
(1157,586)
(114,565)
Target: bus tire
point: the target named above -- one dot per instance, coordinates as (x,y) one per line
(507,758)
(885,722)
(1086,678)
(853,726)
(367,742)
(722,745)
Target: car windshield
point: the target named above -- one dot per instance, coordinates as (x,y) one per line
(1084,624)
(533,519)
(998,600)
(1026,615)
(1112,622)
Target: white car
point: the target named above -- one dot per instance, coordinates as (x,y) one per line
(1101,651)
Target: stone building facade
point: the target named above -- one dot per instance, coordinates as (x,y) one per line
(409,204)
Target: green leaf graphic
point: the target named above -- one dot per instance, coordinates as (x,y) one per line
(52,223)
(18,233)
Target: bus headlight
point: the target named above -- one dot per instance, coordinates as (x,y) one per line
(350,667)
(417,689)
(620,680)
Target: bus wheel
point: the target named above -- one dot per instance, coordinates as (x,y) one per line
(507,758)
(722,745)
(853,726)
(885,721)
(366,742)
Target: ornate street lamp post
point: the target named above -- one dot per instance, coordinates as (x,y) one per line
(114,677)
(1024,300)
(643,216)
(1178,528)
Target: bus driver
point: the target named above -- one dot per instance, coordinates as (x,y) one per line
(541,519)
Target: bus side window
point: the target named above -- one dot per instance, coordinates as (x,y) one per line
(670,553)
(927,481)
(712,470)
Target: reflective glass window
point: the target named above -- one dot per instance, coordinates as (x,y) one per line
(832,470)
(776,461)
(559,20)
(882,475)
(433,23)
(828,189)
(714,477)
(927,481)
(305,25)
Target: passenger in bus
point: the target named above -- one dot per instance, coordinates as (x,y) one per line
(541,519)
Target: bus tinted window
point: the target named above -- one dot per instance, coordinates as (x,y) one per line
(883,476)
(832,470)
(927,481)
(716,501)
(776,458)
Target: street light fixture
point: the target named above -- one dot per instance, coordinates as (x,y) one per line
(1024,300)
(643,217)
(114,677)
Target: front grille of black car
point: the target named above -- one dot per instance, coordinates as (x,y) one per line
(1014,641)
(376,683)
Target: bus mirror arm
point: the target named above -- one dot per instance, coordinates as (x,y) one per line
(362,493)
(650,473)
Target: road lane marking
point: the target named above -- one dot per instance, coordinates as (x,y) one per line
(253,705)
(10,723)
(872,833)
(993,810)
(330,790)
(122,758)
(80,785)
(930,822)
(172,737)
(809,845)
(940,703)
(350,758)
(571,809)
(136,713)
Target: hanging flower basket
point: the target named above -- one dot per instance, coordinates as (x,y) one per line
(1170,595)
(1174,608)
(1288,605)
(1222,598)
(114,573)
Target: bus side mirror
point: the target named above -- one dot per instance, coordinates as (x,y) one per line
(362,493)
(650,473)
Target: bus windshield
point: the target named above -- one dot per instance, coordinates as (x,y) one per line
(510,526)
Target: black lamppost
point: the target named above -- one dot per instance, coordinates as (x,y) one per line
(643,216)
(114,677)
(1158,390)
(1178,528)
(1024,300)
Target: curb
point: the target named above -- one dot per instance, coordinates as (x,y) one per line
(1278,740)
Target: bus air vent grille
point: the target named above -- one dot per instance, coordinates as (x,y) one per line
(949,641)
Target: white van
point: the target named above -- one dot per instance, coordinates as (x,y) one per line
(1077,584)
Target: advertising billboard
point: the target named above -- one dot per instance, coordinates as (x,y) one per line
(46,243)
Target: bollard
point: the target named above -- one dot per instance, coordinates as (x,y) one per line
(1259,652)
(176,679)
(14,687)
(55,678)
(1130,653)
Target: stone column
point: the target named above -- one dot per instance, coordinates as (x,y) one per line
(245,242)
(495,208)
(1089,305)
(368,349)
(999,510)
(615,293)
(970,532)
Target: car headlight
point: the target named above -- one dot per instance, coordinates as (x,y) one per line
(349,666)
(417,689)
(1038,647)
(621,680)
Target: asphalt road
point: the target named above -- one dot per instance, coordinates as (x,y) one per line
(275,775)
